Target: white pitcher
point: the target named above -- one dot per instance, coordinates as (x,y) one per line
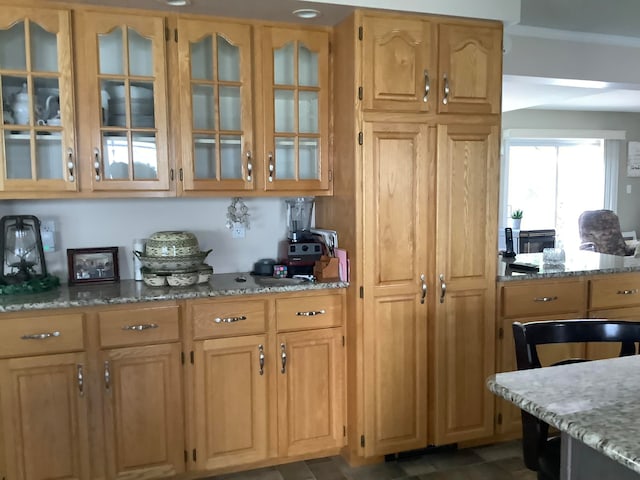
(20,106)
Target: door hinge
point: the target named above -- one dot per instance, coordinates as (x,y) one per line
(181,176)
(343,341)
(362,441)
(331,175)
(360,138)
(330,48)
(500,333)
(361,292)
(166,34)
(499,419)
(360,32)
(182,357)
(175,35)
(191,356)
(193,455)
(172,175)
(344,430)
(186,457)
(359,93)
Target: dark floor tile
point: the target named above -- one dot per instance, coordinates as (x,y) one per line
(379,471)
(483,471)
(295,471)
(498,451)
(458,458)
(417,465)
(326,469)
(512,465)
(269,473)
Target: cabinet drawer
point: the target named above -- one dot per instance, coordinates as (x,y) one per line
(223,319)
(532,298)
(616,291)
(41,335)
(139,326)
(309,312)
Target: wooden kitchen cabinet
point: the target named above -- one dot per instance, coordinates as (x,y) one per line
(257,394)
(296,97)
(395,333)
(463,335)
(216,105)
(422,192)
(529,301)
(38,118)
(123,79)
(412,63)
(43,397)
(141,370)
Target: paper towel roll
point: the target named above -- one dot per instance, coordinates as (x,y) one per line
(138,245)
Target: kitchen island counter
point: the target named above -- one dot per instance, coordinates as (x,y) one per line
(131,291)
(577,263)
(592,403)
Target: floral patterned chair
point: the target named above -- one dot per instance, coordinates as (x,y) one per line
(600,232)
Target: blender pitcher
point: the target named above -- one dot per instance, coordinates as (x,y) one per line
(299,211)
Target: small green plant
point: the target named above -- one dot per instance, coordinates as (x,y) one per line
(516,214)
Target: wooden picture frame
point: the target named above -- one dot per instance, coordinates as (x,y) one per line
(93,265)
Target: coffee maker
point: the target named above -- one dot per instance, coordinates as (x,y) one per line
(301,249)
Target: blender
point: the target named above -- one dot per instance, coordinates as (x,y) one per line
(301,250)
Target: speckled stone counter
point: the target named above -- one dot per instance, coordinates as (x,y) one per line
(577,263)
(593,402)
(130,291)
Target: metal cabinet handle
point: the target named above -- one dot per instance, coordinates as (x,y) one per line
(272,167)
(311,313)
(446,91)
(70,165)
(140,327)
(443,288)
(261,359)
(107,375)
(80,377)
(229,319)
(627,292)
(96,164)
(427,86)
(249,167)
(40,336)
(424,289)
(283,357)
(545,299)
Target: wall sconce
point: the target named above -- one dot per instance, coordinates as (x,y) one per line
(22,253)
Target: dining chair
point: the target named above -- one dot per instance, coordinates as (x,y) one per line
(541,450)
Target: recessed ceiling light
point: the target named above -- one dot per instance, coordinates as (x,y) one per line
(306,13)
(177,3)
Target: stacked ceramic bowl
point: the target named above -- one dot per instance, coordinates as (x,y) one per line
(173,258)
(140,103)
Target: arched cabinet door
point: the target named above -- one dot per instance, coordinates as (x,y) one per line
(296,109)
(216,106)
(126,102)
(37,128)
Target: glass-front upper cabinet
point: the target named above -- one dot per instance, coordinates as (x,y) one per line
(215,105)
(296,105)
(126,101)
(37,143)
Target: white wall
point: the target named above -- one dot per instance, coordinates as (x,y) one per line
(628,204)
(106,222)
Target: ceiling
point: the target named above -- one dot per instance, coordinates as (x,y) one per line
(575,18)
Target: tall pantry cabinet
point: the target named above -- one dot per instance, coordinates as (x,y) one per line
(416,122)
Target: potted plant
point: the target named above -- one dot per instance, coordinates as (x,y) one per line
(516,219)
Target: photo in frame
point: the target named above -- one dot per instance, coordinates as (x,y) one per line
(93,265)
(633,159)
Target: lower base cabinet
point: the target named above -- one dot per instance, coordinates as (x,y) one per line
(45,417)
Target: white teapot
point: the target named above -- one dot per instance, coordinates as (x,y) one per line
(20,106)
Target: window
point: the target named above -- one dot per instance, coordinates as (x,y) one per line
(553,181)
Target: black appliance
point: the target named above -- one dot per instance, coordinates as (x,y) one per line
(534,241)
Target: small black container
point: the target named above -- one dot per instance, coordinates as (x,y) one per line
(264,267)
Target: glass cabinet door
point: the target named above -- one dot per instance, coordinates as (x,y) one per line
(127,101)
(297,109)
(37,144)
(216,106)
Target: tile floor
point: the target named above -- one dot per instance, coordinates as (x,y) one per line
(494,462)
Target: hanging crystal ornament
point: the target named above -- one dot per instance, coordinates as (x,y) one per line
(237,213)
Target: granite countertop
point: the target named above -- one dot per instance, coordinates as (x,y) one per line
(594,402)
(131,291)
(577,263)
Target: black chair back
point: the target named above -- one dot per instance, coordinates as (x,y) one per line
(542,453)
